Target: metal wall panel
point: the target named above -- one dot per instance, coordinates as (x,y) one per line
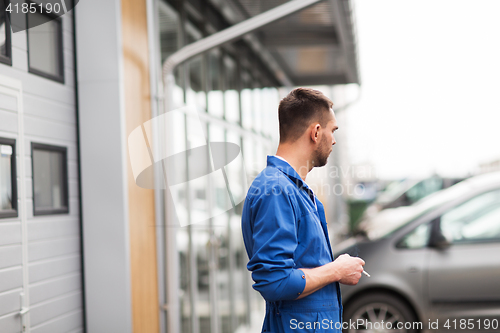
(40,255)
(54,308)
(52,288)
(9,302)
(11,323)
(10,256)
(47,110)
(8,120)
(65,323)
(11,278)
(52,229)
(10,233)
(42,128)
(8,102)
(42,270)
(50,248)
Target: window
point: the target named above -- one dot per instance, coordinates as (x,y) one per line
(5,46)
(45,46)
(8,178)
(416,239)
(50,179)
(424,188)
(476,220)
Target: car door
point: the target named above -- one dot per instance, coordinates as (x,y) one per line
(463,275)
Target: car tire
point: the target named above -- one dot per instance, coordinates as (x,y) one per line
(377,307)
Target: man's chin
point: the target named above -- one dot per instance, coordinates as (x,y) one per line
(322,163)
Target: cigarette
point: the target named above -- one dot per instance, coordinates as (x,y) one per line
(365,273)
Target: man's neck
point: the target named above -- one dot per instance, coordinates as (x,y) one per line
(296,158)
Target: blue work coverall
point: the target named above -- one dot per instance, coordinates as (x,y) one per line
(284,229)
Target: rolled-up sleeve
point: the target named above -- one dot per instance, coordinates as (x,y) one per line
(274,242)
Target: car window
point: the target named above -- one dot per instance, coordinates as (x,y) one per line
(418,209)
(417,238)
(478,219)
(424,188)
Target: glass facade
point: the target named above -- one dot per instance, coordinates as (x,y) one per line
(235,107)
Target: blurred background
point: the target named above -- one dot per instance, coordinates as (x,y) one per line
(427,116)
(84,248)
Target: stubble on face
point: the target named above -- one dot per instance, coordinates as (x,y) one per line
(321,153)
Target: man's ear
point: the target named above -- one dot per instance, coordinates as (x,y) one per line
(314,132)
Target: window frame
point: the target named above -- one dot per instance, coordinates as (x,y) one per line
(64,151)
(468,241)
(8,38)
(41,73)
(13,179)
(399,246)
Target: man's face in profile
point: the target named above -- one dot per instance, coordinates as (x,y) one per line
(322,152)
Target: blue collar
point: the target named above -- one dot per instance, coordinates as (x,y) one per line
(287,169)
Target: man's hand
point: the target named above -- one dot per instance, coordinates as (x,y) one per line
(345,269)
(348,269)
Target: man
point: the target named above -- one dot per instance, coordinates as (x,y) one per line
(284,224)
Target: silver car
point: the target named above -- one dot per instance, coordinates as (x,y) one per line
(435,265)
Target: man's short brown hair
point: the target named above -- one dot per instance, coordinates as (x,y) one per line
(299,109)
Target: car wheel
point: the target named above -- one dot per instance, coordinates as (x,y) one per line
(379,313)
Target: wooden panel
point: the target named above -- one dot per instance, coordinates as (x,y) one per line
(145,307)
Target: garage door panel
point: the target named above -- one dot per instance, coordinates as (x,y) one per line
(46,311)
(10,302)
(11,278)
(46,290)
(47,249)
(40,271)
(52,229)
(11,255)
(9,121)
(43,108)
(10,233)
(8,102)
(11,323)
(63,324)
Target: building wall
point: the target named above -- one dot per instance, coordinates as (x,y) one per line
(145,304)
(40,255)
(103,166)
